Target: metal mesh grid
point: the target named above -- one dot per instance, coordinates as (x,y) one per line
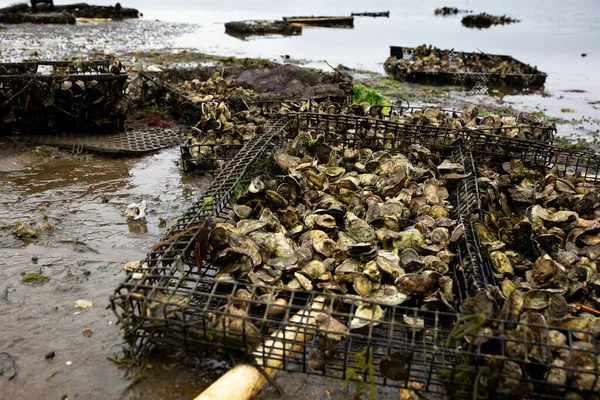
(174,298)
(479,80)
(46,96)
(177,104)
(486,147)
(466,194)
(207,157)
(131,141)
(473,272)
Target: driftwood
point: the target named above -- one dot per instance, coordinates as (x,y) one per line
(245,381)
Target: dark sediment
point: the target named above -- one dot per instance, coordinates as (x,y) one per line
(40,18)
(291,82)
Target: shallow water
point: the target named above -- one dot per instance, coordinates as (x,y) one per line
(552,35)
(83,259)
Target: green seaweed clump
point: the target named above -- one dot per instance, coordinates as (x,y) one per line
(34,277)
(361,93)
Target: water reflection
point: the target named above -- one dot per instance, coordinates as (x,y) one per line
(137,227)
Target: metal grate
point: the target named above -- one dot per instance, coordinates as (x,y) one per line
(131,141)
(466,194)
(207,157)
(473,272)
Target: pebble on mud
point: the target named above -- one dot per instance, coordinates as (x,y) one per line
(50,355)
(83,304)
(131,266)
(24,230)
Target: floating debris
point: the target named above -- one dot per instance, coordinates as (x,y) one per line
(136,211)
(484,20)
(329,22)
(24,230)
(83,304)
(372,14)
(35,277)
(449,11)
(262,27)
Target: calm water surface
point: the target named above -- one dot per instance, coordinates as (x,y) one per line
(552,35)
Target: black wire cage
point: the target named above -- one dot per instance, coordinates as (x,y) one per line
(50,96)
(480,80)
(201,155)
(175,296)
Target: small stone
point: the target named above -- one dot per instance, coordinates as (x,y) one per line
(34,259)
(49,355)
(83,304)
(69,362)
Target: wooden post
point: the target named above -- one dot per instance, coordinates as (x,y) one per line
(244,381)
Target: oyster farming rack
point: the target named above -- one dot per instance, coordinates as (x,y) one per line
(173,299)
(216,154)
(46,96)
(533,79)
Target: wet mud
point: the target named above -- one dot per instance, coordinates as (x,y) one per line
(82,250)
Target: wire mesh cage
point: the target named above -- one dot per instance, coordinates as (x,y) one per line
(47,96)
(206,157)
(531,78)
(177,296)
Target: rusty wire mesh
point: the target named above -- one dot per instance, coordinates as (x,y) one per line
(174,298)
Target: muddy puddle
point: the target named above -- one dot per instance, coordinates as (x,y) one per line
(82,258)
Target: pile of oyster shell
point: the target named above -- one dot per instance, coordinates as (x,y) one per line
(216,130)
(431,59)
(215,87)
(219,127)
(542,234)
(369,225)
(522,126)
